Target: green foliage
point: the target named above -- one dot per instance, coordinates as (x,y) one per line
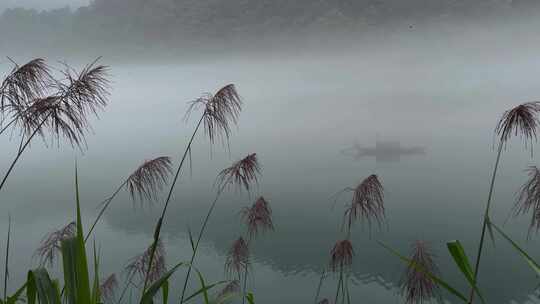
(530,261)
(438,280)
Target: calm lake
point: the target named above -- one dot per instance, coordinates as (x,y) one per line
(318,125)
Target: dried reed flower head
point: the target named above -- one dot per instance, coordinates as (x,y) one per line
(24,83)
(258,217)
(149,178)
(233,287)
(367,202)
(341,255)
(108,288)
(521,120)
(243,173)
(65,113)
(529,197)
(417,286)
(138,265)
(238,258)
(220,111)
(88,90)
(51,242)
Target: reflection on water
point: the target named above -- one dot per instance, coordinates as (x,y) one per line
(383,151)
(437,197)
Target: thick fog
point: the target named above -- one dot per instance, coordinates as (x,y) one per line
(333,90)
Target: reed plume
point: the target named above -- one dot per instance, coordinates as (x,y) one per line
(367,203)
(519,121)
(529,198)
(341,259)
(237,258)
(24,83)
(139,265)
(145,183)
(221,111)
(341,255)
(49,246)
(64,113)
(232,288)
(258,217)
(522,121)
(108,288)
(149,178)
(243,173)
(417,286)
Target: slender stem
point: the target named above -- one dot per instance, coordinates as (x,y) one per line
(6,272)
(339,284)
(320,285)
(162,217)
(486,217)
(108,202)
(245,285)
(125,288)
(199,237)
(21,152)
(7,125)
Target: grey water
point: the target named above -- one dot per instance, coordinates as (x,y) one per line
(299,115)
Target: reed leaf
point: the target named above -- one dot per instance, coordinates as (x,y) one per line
(250,298)
(153,289)
(530,261)
(439,281)
(77,282)
(41,287)
(16,297)
(462,261)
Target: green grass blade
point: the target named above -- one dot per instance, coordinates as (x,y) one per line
(530,261)
(439,281)
(203,290)
(250,298)
(41,285)
(151,291)
(462,261)
(165,292)
(203,287)
(95,289)
(81,262)
(16,296)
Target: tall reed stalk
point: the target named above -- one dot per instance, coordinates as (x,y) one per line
(520,121)
(6,268)
(220,111)
(39,104)
(242,173)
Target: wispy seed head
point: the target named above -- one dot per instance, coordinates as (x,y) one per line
(49,247)
(417,286)
(243,173)
(138,265)
(108,288)
(149,178)
(238,258)
(521,120)
(529,198)
(221,110)
(24,83)
(341,255)
(258,217)
(367,202)
(231,288)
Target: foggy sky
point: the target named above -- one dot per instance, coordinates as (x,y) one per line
(41,4)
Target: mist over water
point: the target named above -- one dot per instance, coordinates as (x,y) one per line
(437,88)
